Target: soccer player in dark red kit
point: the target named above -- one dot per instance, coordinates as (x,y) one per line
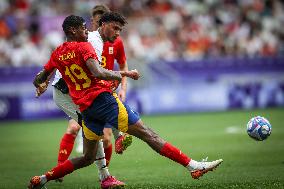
(76,61)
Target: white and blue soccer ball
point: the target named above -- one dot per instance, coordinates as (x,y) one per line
(259,128)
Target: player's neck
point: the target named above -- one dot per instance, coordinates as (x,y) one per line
(70,40)
(101,34)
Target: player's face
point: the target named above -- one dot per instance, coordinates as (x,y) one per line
(95,21)
(82,33)
(111,30)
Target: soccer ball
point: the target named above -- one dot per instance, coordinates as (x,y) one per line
(259,128)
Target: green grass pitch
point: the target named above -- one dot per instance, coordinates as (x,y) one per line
(30,148)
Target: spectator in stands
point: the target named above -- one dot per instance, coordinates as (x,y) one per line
(168,29)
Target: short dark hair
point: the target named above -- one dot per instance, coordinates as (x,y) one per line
(112,17)
(100,9)
(72,21)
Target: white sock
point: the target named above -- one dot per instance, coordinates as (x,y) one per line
(43,179)
(103,173)
(101,162)
(192,165)
(116,133)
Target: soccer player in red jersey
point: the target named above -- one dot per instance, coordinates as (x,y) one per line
(64,102)
(111,51)
(76,61)
(115,50)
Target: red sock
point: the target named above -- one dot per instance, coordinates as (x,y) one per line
(174,154)
(108,153)
(60,171)
(66,146)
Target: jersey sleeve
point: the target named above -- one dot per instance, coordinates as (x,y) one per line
(50,65)
(120,57)
(88,51)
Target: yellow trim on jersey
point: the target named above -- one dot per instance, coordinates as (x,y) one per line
(90,135)
(122,115)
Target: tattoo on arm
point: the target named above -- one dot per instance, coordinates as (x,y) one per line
(101,72)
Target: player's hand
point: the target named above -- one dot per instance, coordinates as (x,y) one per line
(133,74)
(41,88)
(114,85)
(122,95)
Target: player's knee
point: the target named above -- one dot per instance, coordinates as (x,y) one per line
(107,133)
(107,137)
(106,142)
(73,127)
(89,159)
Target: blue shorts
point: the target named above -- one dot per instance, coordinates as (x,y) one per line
(107,109)
(107,125)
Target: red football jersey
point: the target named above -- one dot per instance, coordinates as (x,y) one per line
(70,59)
(113,51)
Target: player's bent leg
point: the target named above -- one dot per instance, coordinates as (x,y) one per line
(67,141)
(93,130)
(68,166)
(73,127)
(107,137)
(129,121)
(89,156)
(164,148)
(101,162)
(65,103)
(146,134)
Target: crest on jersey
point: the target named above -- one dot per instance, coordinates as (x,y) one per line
(110,50)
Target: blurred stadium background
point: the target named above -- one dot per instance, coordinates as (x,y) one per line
(212,54)
(194,56)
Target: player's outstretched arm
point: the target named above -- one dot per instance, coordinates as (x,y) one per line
(100,72)
(41,82)
(105,74)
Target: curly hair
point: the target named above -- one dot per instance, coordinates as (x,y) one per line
(112,17)
(72,21)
